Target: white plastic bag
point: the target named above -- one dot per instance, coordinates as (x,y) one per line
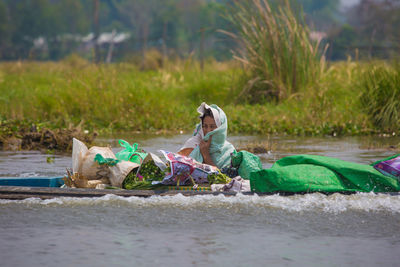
(237,184)
(83,160)
(84,164)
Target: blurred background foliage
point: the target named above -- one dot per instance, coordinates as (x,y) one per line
(54,29)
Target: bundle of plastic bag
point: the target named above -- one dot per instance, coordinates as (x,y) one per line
(237,184)
(390,167)
(131,152)
(185,170)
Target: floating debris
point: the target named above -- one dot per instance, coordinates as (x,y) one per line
(14,136)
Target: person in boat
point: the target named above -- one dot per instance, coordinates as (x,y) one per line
(208,144)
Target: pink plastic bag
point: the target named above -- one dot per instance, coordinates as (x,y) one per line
(184,168)
(389,167)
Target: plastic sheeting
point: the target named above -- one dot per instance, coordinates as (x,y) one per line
(311,173)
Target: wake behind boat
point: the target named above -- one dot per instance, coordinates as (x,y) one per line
(17,188)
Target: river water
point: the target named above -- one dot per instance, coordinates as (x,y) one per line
(307,230)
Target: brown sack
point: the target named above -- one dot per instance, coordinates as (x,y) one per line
(120,171)
(93,170)
(84,164)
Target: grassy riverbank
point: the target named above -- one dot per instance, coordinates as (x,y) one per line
(120,97)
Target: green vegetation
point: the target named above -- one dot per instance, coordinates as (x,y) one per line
(142,185)
(119,97)
(279,84)
(277,50)
(380,97)
(112,97)
(219,178)
(149,171)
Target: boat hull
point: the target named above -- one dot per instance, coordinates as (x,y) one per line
(24,192)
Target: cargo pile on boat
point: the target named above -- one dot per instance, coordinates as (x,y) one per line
(99,167)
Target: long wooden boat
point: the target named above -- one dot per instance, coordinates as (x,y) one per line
(16,188)
(50,187)
(23,192)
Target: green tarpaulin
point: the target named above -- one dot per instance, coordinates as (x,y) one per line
(311,173)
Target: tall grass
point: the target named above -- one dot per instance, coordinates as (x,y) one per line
(115,97)
(121,98)
(276,48)
(380,98)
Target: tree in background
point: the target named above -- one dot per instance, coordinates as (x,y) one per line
(49,29)
(321,15)
(72,22)
(378,22)
(34,28)
(342,43)
(372,31)
(167,16)
(38,21)
(5,30)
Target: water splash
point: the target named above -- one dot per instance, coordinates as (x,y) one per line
(335,203)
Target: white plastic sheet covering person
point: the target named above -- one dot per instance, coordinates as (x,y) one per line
(220,148)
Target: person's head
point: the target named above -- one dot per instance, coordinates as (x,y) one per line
(208,122)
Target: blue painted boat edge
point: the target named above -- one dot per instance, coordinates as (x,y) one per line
(32,181)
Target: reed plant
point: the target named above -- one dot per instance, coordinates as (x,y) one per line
(115,97)
(380,97)
(122,98)
(275,46)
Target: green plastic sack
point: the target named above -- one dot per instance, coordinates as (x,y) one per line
(131,153)
(313,173)
(246,163)
(299,178)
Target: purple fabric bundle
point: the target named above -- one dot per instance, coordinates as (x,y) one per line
(389,167)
